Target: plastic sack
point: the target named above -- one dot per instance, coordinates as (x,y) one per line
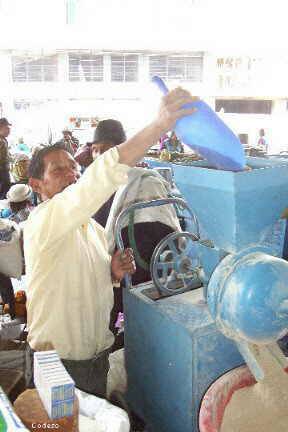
(86,424)
(4,204)
(11,261)
(117,376)
(98,415)
(9,421)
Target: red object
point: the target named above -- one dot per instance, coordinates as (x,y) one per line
(219,395)
(84,156)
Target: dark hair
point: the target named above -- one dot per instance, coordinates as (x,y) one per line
(109,131)
(16,206)
(36,167)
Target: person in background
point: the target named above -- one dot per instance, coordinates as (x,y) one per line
(68,266)
(7,294)
(83,156)
(19,198)
(22,147)
(171,144)
(150,225)
(162,142)
(142,185)
(262,141)
(4,157)
(20,167)
(69,142)
(175,143)
(36,148)
(108,134)
(20,207)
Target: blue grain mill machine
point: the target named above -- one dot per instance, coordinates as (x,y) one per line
(225,273)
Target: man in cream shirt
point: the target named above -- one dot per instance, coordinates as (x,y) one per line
(68,267)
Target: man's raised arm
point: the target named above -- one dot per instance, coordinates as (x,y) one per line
(132,150)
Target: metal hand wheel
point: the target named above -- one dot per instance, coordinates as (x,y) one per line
(154,203)
(175,264)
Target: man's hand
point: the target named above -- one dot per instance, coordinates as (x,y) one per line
(174,106)
(121,263)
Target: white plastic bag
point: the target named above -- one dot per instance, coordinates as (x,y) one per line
(11,261)
(117,376)
(86,424)
(99,415)
(9,421)
(4,204)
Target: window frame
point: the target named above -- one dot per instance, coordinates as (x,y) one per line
(91,59)
(170,63)
(46,67)
(125,62)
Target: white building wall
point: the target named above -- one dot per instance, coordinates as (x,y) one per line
(6,97)
(128,101)
(135,103)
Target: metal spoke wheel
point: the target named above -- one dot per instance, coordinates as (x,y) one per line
(175,264)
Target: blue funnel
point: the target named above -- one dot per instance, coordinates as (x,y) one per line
(204,132)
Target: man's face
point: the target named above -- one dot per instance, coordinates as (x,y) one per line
(4,131)
(60,171)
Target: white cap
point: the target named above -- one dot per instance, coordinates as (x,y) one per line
(18,193)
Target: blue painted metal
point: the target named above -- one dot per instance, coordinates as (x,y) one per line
(153,163)
(237,210)
(248,296)
(174,351)
(248,299)
(175,347)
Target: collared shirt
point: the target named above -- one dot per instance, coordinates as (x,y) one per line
(70,293)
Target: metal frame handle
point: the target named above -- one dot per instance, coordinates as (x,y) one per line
(146,204)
